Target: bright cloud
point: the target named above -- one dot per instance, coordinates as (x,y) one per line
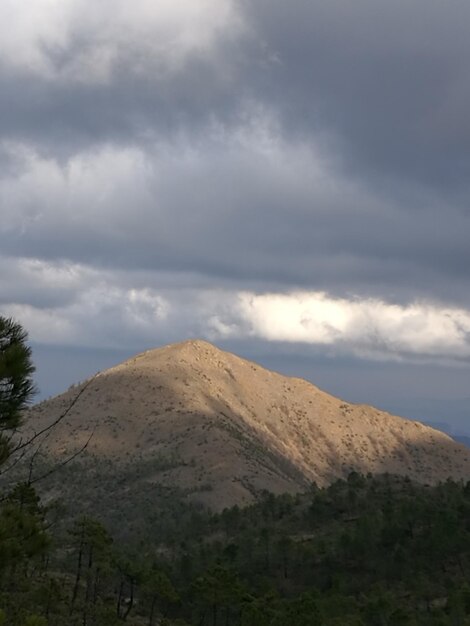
(368,326)
(82,41)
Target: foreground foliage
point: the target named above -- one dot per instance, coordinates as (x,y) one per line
(366,551)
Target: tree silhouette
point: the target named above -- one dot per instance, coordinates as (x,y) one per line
(16,384)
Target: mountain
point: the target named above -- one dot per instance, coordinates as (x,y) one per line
(195,420)
(447,428)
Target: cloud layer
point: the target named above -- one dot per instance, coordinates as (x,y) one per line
(74,305)
(292,173)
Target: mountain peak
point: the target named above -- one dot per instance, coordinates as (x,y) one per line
(191,344)
(238,429)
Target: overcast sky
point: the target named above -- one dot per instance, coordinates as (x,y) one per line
(290,180)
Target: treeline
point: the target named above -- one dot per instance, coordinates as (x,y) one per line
(366,551)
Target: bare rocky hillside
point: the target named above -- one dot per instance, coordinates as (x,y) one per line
(220,429)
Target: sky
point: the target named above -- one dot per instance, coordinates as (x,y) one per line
(290,181)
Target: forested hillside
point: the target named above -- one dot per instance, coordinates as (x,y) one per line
(365,551)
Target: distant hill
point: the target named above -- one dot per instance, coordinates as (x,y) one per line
(462,439)
(192,420)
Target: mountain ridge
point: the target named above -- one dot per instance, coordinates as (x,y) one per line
(227,429)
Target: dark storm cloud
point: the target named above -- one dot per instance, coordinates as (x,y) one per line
(97,79)
(63,117)
(313,145)
(275,218)
(34,283)
(390,80)
(385,84)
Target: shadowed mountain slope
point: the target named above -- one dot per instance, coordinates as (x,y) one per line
(220,429)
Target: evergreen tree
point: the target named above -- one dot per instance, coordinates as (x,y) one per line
(16,385)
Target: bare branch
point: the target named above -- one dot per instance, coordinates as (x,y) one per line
(33,458)
(23,445)
(28,442)
(32,481)
(19,458)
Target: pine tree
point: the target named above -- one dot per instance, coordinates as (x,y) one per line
(16,385)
